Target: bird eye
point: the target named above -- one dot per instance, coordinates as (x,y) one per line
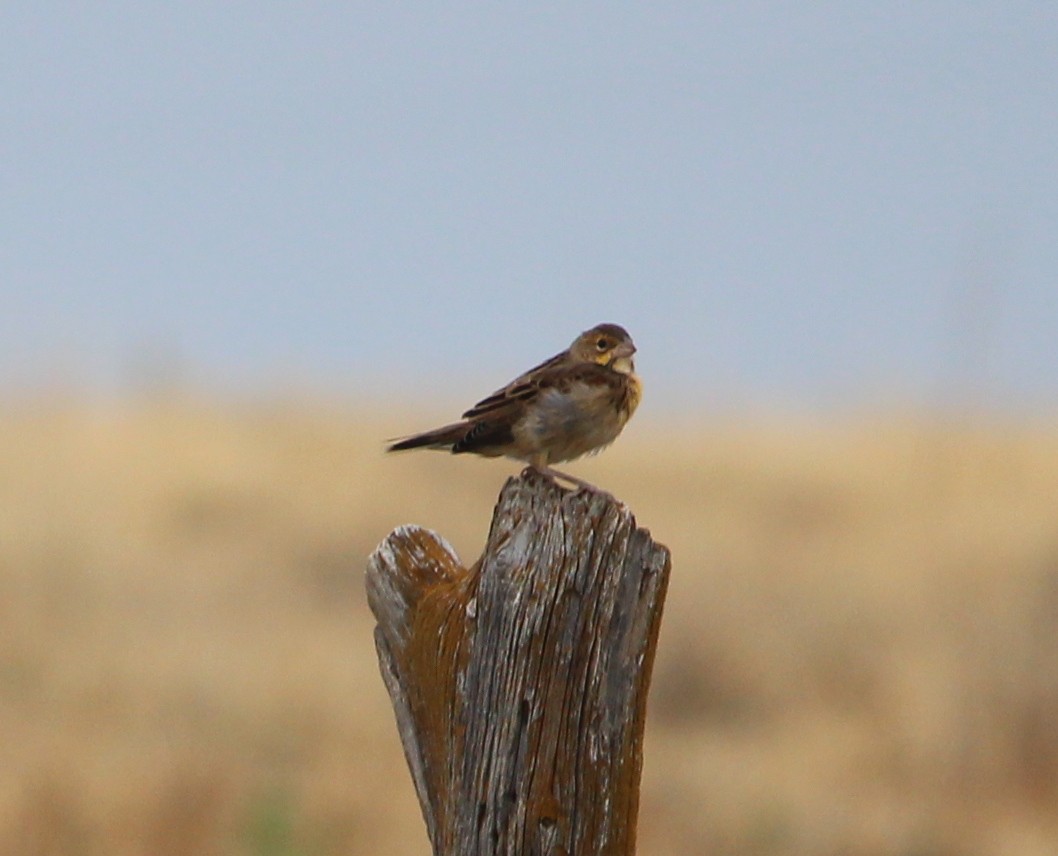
(601,344)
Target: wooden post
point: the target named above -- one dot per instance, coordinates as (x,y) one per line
(520,684)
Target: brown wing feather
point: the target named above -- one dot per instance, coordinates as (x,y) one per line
(519,391)
(485,437)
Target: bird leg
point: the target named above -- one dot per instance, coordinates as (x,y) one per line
(554,474)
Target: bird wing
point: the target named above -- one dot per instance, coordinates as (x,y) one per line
(519,391)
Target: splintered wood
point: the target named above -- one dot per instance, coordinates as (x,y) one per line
(520,684)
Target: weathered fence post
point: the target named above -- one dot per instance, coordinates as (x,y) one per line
(520,684)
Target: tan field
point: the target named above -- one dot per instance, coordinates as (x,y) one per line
(859,655)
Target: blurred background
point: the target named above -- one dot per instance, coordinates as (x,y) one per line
(242,244)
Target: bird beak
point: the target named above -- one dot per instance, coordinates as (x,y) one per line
(621,361)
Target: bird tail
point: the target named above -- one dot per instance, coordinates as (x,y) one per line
(438,438)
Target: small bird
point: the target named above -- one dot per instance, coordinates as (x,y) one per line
(573,404)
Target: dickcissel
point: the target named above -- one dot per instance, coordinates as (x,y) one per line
(573,404)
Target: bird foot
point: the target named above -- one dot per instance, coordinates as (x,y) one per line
(556,475)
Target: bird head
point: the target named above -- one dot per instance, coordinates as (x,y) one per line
(606,345)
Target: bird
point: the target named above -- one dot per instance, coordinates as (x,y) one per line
(573,404)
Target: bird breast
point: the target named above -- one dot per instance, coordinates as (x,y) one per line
(566,424)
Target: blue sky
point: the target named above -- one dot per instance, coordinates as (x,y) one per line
(809,204)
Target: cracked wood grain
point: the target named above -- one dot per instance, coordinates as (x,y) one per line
(519,685)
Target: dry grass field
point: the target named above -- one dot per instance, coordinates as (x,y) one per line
(859,655)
